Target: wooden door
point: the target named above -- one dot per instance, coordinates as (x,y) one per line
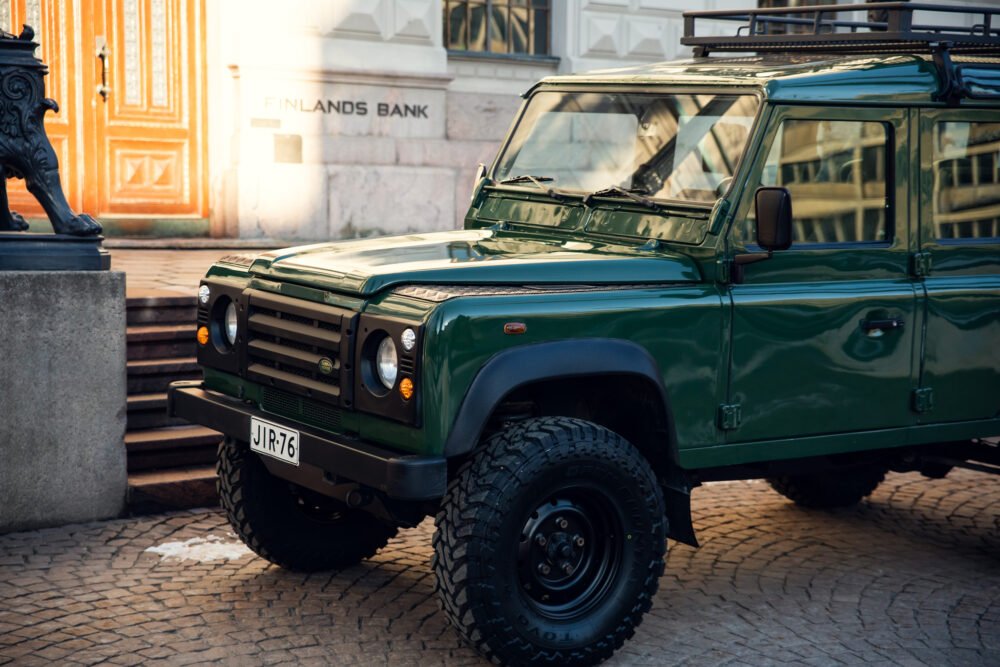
(130,131)
(150,143)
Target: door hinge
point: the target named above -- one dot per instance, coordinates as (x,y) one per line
(920,264)
(730,417)
(923,399)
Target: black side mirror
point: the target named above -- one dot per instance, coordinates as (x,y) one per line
(773,208)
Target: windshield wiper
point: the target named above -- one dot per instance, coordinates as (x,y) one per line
(539,182)
(635,194)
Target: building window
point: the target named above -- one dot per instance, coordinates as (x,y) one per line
(506,27)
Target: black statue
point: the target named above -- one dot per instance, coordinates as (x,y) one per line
(25,151)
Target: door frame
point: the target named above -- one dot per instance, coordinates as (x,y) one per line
(827,263)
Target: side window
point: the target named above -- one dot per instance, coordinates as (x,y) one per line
(966,159)
(836,172)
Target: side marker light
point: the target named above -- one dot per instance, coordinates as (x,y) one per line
(515,328)
(203,335)
(406,388)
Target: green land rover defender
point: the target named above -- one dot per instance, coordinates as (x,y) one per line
(780,264)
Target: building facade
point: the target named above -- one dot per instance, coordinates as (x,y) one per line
(308,119)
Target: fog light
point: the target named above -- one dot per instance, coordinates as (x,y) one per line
(203,335)
(406,388)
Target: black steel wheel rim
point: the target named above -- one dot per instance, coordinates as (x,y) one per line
(570,552)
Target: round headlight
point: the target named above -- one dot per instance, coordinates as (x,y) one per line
(203,293)
(408,339)
(232,324)
(386,362)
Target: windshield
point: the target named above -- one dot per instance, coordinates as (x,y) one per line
(667,146)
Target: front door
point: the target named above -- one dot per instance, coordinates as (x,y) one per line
(128,76)
(823,333)
(960,238)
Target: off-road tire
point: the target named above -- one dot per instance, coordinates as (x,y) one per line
(480,542)
(828,490)
(279,525)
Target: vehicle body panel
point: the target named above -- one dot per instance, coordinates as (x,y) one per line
(961,292)
(800,361)
(808,382)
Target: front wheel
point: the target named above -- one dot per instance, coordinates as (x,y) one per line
(288,525)
(550,544)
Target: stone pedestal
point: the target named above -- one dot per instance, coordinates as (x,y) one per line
(20,251)
(62,397)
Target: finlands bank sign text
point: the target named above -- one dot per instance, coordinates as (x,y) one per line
(345,107)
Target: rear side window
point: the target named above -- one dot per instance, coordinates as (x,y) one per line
(836,172)
(966,169)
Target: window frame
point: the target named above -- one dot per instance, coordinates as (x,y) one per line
(890,178)
(486,53)
(929,120)
(897,229)
(739,173)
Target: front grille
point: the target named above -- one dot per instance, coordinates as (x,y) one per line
(300,346)
(288,405)
(407,365)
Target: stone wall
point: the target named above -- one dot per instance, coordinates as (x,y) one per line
(62,397)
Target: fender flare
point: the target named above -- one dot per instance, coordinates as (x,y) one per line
(516,367)
(508,370)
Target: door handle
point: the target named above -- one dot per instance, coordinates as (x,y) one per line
(877,327)
(104,54)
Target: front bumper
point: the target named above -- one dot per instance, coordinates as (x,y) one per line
(405,477)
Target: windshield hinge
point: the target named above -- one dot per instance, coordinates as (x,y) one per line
(920,264)
(720,217)
(723,270)
(923,399)
(730,416)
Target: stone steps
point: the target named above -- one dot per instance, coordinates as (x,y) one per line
(170,462)
(179,488)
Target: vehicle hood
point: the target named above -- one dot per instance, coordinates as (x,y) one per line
(470,257)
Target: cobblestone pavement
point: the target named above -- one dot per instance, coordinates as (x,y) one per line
(911,576)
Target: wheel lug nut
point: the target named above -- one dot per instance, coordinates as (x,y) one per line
(567,568)
(578,541)
(543,568)
(562,523)
(540,540)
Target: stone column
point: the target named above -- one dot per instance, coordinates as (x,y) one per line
(62,397)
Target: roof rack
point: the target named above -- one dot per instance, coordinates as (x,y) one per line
(823,29)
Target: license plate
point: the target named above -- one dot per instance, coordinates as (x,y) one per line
(273,440)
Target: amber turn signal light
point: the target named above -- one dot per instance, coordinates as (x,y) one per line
(406,388)
(203,335)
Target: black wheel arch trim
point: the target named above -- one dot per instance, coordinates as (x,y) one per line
(508,370)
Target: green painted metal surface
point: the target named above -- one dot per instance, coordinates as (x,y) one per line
(776,366)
